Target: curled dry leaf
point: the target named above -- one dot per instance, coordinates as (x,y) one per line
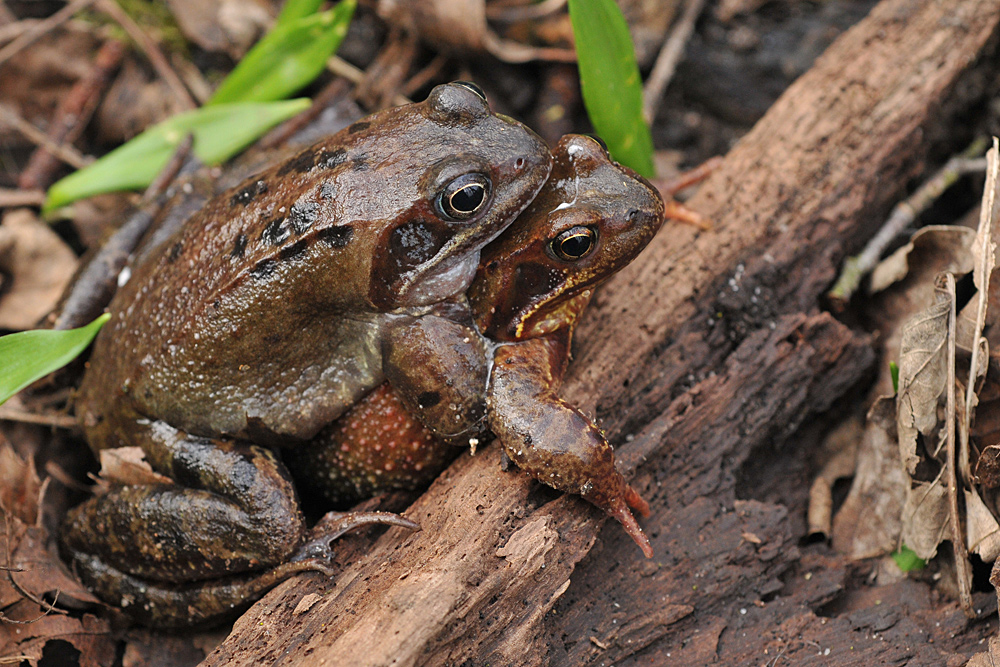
(987,471)
(20,487)
(923,375)
(946,244)
(38,264)
(128,465)
(24,552)
(925,518)
(981,527)
(461,25)
(868,523)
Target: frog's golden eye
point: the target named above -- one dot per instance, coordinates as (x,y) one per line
(468,85)
(598,140)
(464,197)
(575,243)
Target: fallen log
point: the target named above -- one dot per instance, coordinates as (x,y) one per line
(709,348)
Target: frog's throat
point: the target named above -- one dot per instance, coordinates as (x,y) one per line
(445,280)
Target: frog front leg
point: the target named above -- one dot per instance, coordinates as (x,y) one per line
(170,550)
(551,440)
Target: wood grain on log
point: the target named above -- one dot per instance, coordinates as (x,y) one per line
(710,347)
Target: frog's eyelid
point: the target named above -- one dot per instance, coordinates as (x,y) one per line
(468,85)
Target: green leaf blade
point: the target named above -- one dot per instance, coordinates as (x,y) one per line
(610,82)
(287,58)
(296,9)
(219,133)
(30,355)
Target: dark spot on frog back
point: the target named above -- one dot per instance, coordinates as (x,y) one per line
(246,194)
(358,127)
(303,215)
(175,252)
(295,250)
(330,159)
(264,268)
(337,236)
(301,163)
(360,162)
(275,232)
(240,247)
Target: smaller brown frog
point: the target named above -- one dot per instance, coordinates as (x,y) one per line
(592,218)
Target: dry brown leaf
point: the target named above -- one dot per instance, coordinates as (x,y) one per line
(987,471)
(229,26)
(868,523)
(981,528)
(948,244)
(922,377)
(925,518)
(128,465)
(461,25)
(19,485)
(39,265)
(37,635)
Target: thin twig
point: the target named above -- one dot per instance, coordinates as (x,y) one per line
(524,12)
(37,30)
(341,67)
(962,570)
(424,76)
(8,413)
(152,51)
(14,198)
(67,154)
(902,216)
(73,114)
(666,61)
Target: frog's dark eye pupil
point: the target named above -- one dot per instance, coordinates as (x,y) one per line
(574,244)
(468,85)
(469,198)
(464,197)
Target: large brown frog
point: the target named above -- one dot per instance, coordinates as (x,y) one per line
(591,219)
(258,323)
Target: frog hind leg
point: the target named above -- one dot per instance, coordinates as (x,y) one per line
(232,508)
(178,606)
(551,440)
(207,603)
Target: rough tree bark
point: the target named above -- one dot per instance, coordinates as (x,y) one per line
(710,348)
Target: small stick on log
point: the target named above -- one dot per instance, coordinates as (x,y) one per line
(903,215)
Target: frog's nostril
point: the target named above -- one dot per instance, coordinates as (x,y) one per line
(519,163)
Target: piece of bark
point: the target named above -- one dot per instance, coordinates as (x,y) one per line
(708,347)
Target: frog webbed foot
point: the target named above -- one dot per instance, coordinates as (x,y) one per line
(318,546)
